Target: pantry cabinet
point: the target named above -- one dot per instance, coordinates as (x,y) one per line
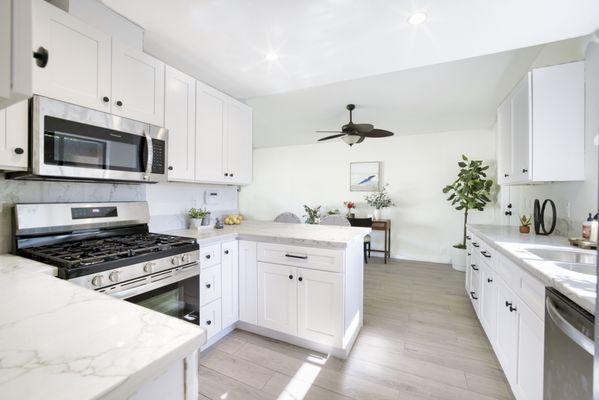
(179,119)
(540,127)
(13,137)
(137,85)
(77,66)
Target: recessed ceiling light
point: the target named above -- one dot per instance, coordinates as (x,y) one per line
(271,56)
(417,18)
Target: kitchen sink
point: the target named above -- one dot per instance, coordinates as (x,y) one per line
(586,269)
(567,256)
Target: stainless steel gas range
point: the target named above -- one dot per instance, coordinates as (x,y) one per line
(107,247)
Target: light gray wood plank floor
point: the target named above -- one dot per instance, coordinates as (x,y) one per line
(420,340)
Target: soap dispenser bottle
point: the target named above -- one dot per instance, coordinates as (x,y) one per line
(586,227)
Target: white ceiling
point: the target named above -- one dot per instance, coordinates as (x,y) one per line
(224,43)
(458,95)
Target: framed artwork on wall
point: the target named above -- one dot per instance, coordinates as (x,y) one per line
(364,176)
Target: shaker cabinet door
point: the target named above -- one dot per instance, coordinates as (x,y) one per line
(277,297)
(248,282)
(230,283)
(521,131)
(238,145)
(210,131)
(14,136)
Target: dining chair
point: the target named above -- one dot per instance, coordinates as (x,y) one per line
(288,217)
(337,220)
(363,223)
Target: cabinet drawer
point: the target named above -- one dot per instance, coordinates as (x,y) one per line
(306,257)
(210,316)
(532,292)
(210,284)
(209,255)
(487,254)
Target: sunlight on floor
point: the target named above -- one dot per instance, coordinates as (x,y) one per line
(302,381)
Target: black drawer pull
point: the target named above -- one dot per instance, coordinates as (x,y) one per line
(290,276)
(472,294)
(508,303)
(489,280)
(19,150)
(512,309)
(468,237)
(300,279)
(294,256)
(208,322)
(226,251)
(474,267)
(484,253)
(475,244)
(41,57)
(208,286)
(208,256)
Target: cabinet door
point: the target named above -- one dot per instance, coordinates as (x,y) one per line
(137,85)
(179,119)
(78,66)
(488,307)
(530,355)
(13,136)
(521,130)
(210,131)
(238,144)
(230,283)
(320,306)
(210,318)
(248,282)
(504,142)
(506,341)
(277,297)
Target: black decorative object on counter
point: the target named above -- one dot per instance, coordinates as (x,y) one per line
(539,217)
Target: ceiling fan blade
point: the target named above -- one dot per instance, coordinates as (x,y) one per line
(377,133)
(328,131)
(361,139)
(331,137)
(357,127)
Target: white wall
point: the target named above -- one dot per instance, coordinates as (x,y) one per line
(416,167)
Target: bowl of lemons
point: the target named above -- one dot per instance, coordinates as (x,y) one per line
(233,220)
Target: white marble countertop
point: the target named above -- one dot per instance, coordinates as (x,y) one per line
(578,287)
(61,341)
(276,232)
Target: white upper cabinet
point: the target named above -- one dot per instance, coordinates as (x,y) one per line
(238,143)
(13,136)
(137,85)
(77,69)
(179,119)
(540,127)
(210,131)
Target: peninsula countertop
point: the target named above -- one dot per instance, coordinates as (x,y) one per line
(578,287)
(62,341)
(275,232)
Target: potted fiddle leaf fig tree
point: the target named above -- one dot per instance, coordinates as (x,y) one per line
(470,191)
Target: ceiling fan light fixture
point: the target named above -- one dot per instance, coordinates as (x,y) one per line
(417,18)
(271,56)
(351,139)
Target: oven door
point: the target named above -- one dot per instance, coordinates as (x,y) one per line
(69,141)
(176,295)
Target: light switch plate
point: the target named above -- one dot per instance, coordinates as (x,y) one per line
(212,196)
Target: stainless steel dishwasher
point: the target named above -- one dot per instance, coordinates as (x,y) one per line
(569,349)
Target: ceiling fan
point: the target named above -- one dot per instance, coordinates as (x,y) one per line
(352,133)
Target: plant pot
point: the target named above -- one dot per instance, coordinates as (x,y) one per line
(377,213)
(206,220)
(525,229)
(458,259)
(195,223)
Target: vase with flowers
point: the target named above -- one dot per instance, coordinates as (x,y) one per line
(351,206)
(379,200)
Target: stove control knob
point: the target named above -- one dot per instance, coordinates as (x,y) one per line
(185,258)
(148,267)
(175,260)
(97,280)
(114,276)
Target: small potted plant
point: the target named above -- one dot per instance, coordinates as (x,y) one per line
(470,191)
(196,217)
(379,200)
(312,215)
(525,222)
(350,205)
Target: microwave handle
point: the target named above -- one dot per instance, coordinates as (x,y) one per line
(150,152)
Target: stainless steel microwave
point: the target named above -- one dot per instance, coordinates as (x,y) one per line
(70,142)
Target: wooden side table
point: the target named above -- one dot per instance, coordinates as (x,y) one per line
(383,225)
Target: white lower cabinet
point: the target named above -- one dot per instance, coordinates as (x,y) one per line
(319,306)
(210,318)
(210,284)
(248,282)
(277,297)
(509,310)
(230,283)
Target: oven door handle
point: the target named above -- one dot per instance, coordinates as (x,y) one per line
(568,329)
(186,273)
(150,153)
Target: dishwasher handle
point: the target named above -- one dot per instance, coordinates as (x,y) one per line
(568,329)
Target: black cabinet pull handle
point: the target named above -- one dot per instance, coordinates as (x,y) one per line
(512,309)
(208,256)
(231,174)
(524,170)
(475,244)
(484,253)
(226,251)
(290,276)
(472,294)
(208,322)
(508,303)
(170,167)
(508,213)
(119,103)
(105,99)
(300,279)
(208,286)
(468,237)
(226,174)
(19,150)
(506,175)
(469,253)
(474,267)
(41,57)
(489,280)
(294,256)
